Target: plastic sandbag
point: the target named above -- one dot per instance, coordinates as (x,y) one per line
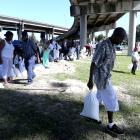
(91,106)
(15,72)
(21,65)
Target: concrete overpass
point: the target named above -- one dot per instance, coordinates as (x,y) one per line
(100,15)
(16,24)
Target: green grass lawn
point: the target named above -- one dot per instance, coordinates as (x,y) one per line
(48,116)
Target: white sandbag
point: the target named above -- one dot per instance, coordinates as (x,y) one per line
(16,71)
(56,54)
(91,106)
(12,73)
(21,65)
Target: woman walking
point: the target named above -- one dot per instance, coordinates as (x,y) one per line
(7,51)
(45,58)
(135,60)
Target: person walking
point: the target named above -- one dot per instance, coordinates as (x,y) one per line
(46,52)
(29,53)
(100,70)
(7,53)
(135,60)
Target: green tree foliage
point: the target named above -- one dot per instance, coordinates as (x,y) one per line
(88,40)
(138,33)
(99,37)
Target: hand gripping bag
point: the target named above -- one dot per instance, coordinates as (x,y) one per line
(91,106)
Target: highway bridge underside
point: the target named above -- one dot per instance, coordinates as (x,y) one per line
(101,15)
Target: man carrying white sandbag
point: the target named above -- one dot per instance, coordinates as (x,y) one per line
(91,107)
(100,70)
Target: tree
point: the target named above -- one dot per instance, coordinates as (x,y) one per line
(138,33)
(100,37)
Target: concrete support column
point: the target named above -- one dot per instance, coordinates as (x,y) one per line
(47,38)
(132,31)
(53,33)
(49,35)
(83,30)
(0,32)
(1,29)
(19,32)
(93,37)
(106,32)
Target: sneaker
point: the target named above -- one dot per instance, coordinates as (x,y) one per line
(29,82)
(115,130)
(33,76)
(133,72)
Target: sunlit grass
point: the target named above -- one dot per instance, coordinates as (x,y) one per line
(122,72)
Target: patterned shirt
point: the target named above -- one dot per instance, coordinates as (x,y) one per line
(103,58)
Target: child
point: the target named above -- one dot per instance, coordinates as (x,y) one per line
(135,60)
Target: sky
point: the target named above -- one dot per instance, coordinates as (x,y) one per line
(56,12)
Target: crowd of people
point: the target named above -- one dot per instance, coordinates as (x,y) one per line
(25,53)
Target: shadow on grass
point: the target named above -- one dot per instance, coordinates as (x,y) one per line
(117,71)
(42,89)
(121,54)
(25,115)
(53,117)
(58,84)
(19,81)
(132,119)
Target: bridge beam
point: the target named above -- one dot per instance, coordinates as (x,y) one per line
(132,31)
(106,32)
(118,7)
(105,7)
(104,27)
(16,24)
(83,30)
(19,31)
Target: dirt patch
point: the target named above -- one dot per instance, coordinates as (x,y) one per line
(55,67)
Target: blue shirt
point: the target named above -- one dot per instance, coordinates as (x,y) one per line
(29,48)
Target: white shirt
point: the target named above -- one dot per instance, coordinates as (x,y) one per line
(51,47)
(135,56)
(8,50)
